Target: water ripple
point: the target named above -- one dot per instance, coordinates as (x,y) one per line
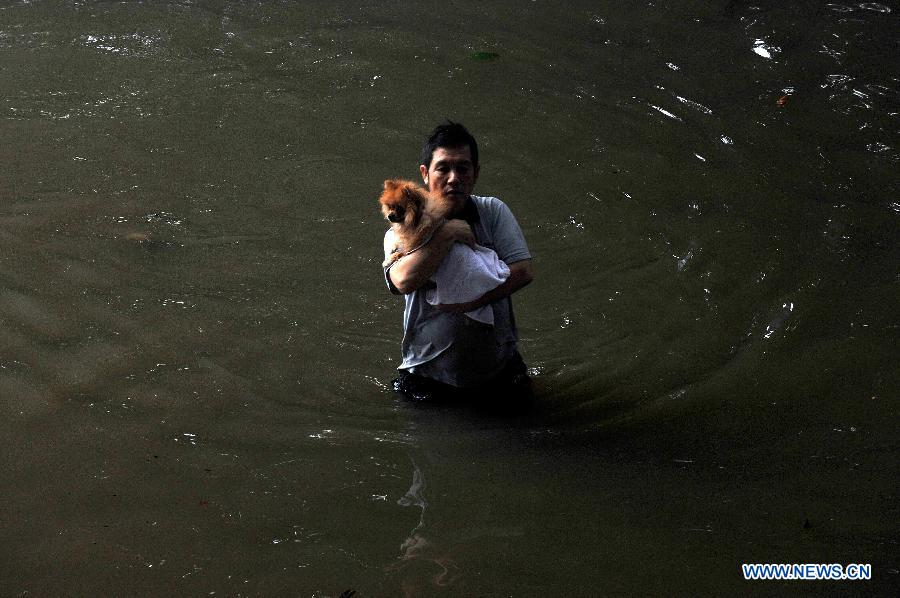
(133,44)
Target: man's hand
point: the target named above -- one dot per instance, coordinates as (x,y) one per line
(520,274)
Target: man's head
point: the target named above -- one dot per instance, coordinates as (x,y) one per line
(449,163)
(449,134)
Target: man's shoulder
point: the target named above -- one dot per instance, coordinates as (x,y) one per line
(501,229)
(492,207)
(487,202)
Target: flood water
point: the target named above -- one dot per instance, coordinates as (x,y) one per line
(196,343)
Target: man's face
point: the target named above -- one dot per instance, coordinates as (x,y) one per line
(451,173)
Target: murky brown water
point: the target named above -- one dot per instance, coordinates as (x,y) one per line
(196,344)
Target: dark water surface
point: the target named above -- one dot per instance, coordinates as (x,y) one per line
(196,343)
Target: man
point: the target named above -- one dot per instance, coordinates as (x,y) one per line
(447,355)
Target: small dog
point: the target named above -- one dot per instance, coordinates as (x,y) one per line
(414,212)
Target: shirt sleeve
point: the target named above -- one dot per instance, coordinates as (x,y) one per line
(509,242)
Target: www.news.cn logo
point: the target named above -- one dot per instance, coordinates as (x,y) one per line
(811,571)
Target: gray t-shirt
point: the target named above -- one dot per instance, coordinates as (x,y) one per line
(453,348)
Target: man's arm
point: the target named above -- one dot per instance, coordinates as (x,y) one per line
(521,273)
(412,271)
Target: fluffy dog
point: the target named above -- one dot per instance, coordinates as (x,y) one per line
(414,213)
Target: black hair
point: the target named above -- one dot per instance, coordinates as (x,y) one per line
(449,134)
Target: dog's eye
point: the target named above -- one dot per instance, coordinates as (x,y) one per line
(395,216)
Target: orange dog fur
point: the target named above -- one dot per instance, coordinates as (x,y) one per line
(414,213)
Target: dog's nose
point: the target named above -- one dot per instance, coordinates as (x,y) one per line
(394,217)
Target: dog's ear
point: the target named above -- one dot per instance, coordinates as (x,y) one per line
(390,184)
(412,194)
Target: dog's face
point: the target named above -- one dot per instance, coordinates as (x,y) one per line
(402,202)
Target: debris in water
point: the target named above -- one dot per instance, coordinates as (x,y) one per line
(695,105)
(778,321)
(761,48)
(664,112)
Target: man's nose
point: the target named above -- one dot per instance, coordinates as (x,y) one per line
(452,175)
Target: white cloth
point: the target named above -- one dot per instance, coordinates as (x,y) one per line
(465,275)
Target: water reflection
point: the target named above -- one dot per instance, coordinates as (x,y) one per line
(417,548)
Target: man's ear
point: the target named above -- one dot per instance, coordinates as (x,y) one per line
(424,171)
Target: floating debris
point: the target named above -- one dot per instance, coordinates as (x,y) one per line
(138,237)
(695,105)
(763,49)
(780,317)
(664,112)
(874,6)
(682,262)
